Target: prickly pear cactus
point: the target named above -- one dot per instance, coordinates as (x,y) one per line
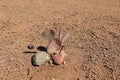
(48,34)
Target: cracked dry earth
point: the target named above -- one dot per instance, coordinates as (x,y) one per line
(93,47)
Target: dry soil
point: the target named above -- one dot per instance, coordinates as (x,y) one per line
(93,47)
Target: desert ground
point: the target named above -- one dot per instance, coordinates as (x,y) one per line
(93,47)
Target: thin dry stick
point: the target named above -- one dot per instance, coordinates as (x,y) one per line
(61,49)
(60,34)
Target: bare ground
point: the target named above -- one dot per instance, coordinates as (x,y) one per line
(93,48)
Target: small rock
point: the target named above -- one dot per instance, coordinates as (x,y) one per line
(105,55)
(46,64)
(30,46)
(64,62)
(52,79)
(50,61)
(40,58)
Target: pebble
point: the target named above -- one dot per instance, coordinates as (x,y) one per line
(50,61)
(52,79)
(64,62)
(30,46)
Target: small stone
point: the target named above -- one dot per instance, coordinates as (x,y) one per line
(50,61)
(46,64)
(64,62)
(52,79)
(40,58)
(30,46)
(105,55)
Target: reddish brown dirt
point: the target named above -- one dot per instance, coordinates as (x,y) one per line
(93,48)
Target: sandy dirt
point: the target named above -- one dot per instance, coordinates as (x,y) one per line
(93,47)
